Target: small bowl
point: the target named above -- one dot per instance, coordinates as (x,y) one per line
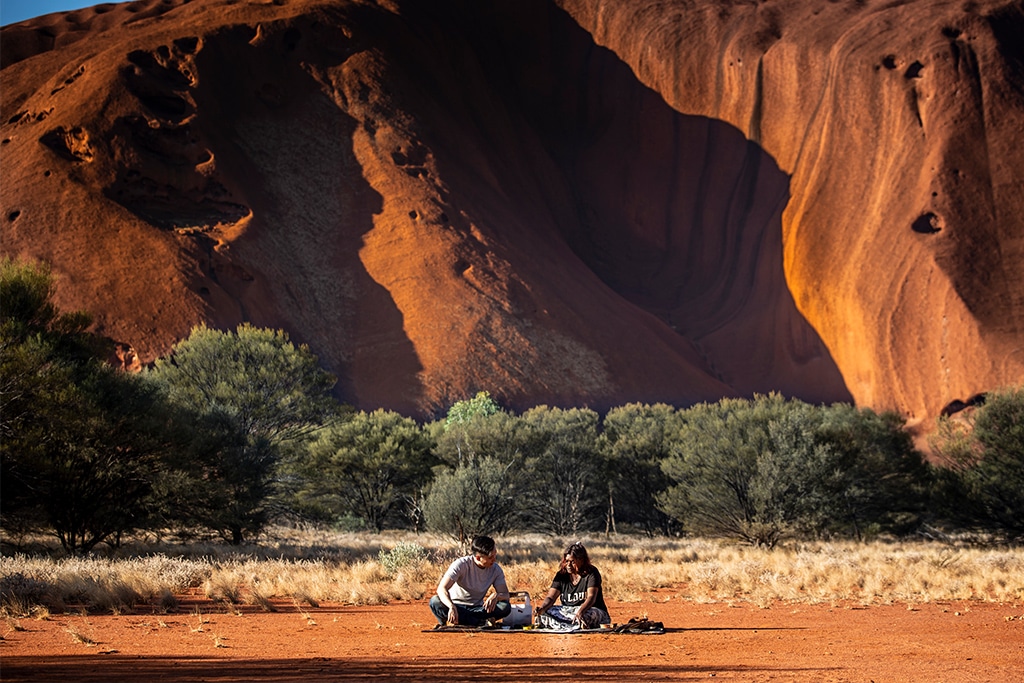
(607,625)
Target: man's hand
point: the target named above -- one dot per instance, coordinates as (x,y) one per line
(453,615)
(490,601)
(578,617)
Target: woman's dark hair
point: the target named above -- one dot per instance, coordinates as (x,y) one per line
(483,545)
(578,552)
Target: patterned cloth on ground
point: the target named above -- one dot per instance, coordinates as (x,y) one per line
(559,618)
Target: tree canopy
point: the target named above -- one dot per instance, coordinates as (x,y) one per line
(260,393)
(82,443)
(765,468)
(370,466)
(983,487)
(635,441)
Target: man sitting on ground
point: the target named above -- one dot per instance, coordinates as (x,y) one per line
(462,589)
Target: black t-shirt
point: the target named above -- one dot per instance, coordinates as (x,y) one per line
(574,595)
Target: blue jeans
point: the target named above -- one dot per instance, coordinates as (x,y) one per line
(469,616)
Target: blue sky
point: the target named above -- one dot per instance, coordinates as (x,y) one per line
(13,11)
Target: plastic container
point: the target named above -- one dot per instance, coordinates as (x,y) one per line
(522,613)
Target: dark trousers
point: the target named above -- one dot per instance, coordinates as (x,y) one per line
(469,616)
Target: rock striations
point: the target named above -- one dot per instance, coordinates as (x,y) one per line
(571,202)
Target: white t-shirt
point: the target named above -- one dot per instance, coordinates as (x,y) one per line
(467,583)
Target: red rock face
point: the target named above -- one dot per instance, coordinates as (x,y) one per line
(900,126)
(588,204)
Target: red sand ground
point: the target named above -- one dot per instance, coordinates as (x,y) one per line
(952,642)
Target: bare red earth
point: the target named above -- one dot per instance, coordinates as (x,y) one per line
(952,642)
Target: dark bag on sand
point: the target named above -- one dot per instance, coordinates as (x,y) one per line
(635,625)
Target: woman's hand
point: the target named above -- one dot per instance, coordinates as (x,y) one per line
(587,604)
(548,601)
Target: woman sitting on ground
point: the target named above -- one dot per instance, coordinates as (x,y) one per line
(578,583)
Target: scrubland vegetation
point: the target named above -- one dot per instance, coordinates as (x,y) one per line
(309,568)
(235,438)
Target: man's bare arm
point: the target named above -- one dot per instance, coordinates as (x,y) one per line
(442,595)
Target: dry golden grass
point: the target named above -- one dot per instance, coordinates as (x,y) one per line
(874,573)
(314,567)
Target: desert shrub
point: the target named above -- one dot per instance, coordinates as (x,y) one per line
(997,479)
(877,481)
(762,469)
(478,497)
(368,466)
(479,432)
(402,556)
(481,486)
(470,428)
(738,468)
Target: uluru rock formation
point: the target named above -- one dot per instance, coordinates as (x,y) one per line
(570,202)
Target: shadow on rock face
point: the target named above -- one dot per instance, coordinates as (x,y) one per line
(679,215)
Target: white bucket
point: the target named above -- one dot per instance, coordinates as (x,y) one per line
(522,613)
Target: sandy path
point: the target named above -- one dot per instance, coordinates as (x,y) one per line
(949,642)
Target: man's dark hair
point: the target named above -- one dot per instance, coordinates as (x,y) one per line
(483,545)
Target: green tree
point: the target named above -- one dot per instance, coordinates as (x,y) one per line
(569,489)
(264,394)
(37,396)
(983,483)
(371,465)
(999,427)
(876,482)
(635,441)
(463,412)
(458,423)
(477,497)
(29,312)
(497,434)
(98,475)
(998,477)
(764,468)
(745,468)
(481,486)
(42,354)
(82,444)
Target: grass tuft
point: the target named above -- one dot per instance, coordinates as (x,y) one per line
(79,637)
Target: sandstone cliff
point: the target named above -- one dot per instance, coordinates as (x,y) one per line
(901,127)
(590,203)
